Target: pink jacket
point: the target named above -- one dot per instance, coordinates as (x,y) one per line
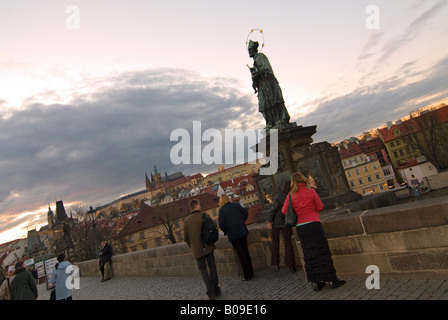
(306,203)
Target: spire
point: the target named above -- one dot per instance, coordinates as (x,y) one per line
(147,182)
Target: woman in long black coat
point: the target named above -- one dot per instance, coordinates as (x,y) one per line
(231,219)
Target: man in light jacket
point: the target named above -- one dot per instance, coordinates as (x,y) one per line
(61,273)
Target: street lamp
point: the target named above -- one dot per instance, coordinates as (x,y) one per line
(92,217)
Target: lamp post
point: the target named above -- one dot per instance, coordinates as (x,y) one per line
(91,214)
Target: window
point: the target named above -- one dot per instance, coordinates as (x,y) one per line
(131,238)
(360,181)
(386,171)
(356,171)
(395,154)
(366,169)
(377,176)
(349,174)
(401,152)
(374,166)
(369,179)
(352,184)
(142,235)
(392,144)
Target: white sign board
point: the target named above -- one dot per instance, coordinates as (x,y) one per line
(49,267)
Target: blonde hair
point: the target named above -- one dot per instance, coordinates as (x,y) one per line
(223,199)
(296,178)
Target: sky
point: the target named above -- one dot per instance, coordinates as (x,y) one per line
(90,91)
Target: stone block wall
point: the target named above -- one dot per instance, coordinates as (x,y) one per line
(406,240)
(402,240)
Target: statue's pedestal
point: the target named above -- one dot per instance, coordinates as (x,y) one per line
(321,161)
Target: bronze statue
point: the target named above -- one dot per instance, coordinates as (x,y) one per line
(270,98)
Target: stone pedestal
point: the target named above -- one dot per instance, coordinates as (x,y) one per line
(320,161)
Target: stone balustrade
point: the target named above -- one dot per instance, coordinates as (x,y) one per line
(402,240)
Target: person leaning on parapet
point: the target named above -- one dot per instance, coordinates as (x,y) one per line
(23,286)
(106,260)
(5,288)
(276,223)
(59,278)
(202,252)
(317,255)
(231,219)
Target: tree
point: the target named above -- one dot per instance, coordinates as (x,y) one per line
(428,133)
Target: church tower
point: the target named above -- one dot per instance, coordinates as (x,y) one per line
(50,217)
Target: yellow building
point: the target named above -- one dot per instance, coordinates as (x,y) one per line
(160,225)
(363,175)
(423,134)
(396,141)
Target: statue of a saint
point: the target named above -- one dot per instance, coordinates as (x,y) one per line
(270,98)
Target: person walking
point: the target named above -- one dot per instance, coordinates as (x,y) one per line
(5,288)
(231,220)
(106,260)
(202,252)
(23,286)
(59,278)
(276,223)
(316,252)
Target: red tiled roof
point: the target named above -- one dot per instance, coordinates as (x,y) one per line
(352,149)
(410,163)
(415,123)
(254,212)
(372,145)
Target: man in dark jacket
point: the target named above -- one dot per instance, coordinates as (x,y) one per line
(276,223)
(106,260)
(202,252)
(23,286)
(232,217)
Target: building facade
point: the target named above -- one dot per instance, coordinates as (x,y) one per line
(365,176)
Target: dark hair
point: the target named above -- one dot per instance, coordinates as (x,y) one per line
(193,204)
(61,257)
(286,186)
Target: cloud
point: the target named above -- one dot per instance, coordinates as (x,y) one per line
(410,33)
(372,106)
(99,145)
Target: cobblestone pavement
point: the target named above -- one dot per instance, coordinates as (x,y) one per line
(266,285)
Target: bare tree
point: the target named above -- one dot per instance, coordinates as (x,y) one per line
(427,133)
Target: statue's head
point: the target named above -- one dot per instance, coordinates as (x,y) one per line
(253,48)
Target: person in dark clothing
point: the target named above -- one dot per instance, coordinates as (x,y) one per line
(276,223)
(231,219)
(23,286)
(202,252)
(106,260)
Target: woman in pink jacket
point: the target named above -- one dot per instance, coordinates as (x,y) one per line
(316,252)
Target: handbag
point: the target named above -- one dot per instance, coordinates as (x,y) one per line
(290,216)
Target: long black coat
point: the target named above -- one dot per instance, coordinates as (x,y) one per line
(231,221)
(106,254)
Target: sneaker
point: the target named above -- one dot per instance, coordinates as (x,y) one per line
(318,285)
(337,283)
